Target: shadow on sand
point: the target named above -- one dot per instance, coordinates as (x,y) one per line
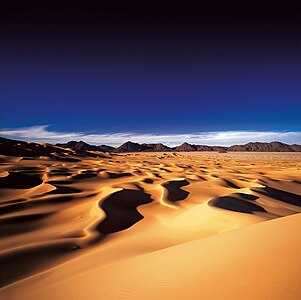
(121,210)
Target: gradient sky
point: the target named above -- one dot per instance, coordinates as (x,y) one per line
(150,69)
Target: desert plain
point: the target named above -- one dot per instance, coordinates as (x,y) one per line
(197,225)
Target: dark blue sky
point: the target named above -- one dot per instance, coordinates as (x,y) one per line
(142,69)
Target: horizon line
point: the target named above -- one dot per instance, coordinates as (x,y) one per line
(42,133)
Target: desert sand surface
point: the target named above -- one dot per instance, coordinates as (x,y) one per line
(197,225)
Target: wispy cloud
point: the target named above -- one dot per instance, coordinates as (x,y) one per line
(223,138)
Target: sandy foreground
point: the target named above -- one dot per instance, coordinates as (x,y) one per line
(192,225)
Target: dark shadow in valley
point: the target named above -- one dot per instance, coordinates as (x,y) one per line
(84,176)
(148,180)
(30,204)
(118,175)
(54,182)
(242,196)
(65,159)
(63,190)
(175,193)
(281,195)
(235,204)
(16,180)
(21,224)
(121,210)
(229,184)
(21,263)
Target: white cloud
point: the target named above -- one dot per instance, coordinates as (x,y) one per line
(223,138)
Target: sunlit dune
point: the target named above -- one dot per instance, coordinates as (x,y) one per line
(197,225)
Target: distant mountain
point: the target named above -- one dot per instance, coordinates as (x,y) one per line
(132,147)
(219,148)
(158,147)
(295,147)
(79,146)
(211,148)
(135,147)
(61,151)
(83,146)
(266,147)
(203,148)
(106,148)
(28,149)
(19,148)
(186,147)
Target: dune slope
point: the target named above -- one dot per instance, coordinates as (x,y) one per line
(232,265)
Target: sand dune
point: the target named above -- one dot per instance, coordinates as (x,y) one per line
(151,226)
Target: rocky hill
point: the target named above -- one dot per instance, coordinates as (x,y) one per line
(29,149)
(185,147)
(79,146)
(132,147)
(158,147)
(266,147)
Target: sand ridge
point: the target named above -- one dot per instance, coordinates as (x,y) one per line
(61,218)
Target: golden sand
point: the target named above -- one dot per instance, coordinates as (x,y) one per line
(199,225)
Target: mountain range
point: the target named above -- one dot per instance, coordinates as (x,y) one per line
(21,148)
(185,147)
